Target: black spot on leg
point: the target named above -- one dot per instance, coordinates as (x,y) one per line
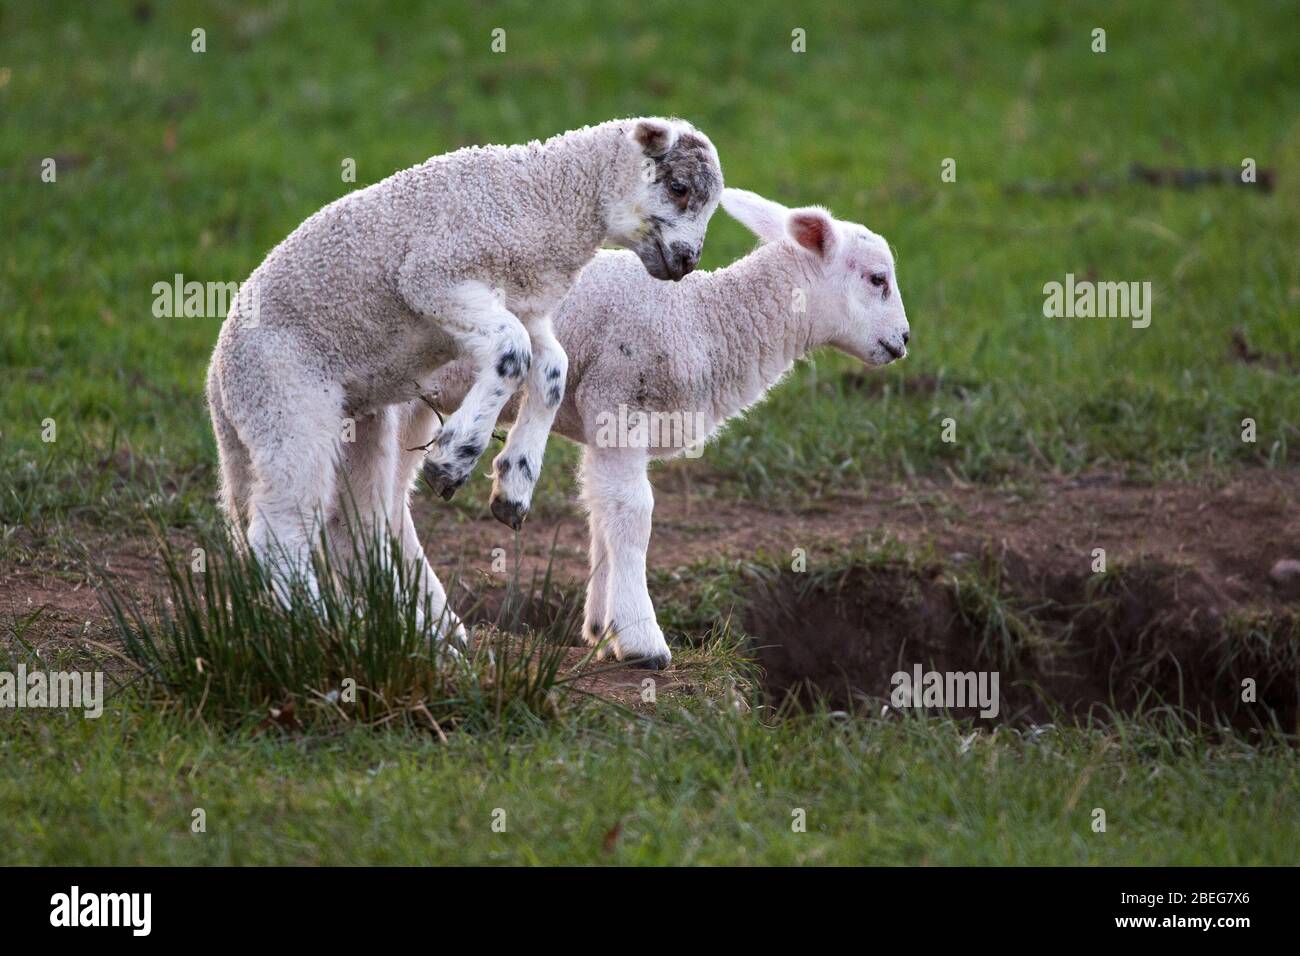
(554,396)
(552,375)
(469,451)
(524,469)
(513,365)
(503,468)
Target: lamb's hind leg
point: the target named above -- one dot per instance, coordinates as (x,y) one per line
(415,421)
(232,456)
(520,462)
(488,332)
(362,519)
(290,416)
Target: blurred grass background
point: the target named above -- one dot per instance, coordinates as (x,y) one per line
(171,161)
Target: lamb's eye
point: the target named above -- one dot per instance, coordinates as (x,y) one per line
(678,188)
(878,279)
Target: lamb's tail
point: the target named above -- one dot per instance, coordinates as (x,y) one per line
(232,453)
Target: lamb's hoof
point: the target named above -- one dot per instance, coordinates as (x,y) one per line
(448,654)
(510,513)
(443,483)
(659,662)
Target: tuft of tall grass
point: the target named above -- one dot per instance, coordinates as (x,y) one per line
(234,644)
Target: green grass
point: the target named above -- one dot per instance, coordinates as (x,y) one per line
(698,784)
(172,162)
(198,163)
(358,647)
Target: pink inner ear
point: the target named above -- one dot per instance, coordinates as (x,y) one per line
(811,232)
(653,138)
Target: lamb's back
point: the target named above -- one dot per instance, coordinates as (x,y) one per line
(459,206)
(632,340)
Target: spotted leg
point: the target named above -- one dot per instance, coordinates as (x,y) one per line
(520,462)
(487,332)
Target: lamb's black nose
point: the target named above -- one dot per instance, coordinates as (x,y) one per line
(686,258)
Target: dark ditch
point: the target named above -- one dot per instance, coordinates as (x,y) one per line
(1147,636)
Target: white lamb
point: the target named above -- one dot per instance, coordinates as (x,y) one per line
(463,256)
(696,353)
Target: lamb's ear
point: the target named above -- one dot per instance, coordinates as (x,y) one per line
(654,136)
(762,217)
(813,229)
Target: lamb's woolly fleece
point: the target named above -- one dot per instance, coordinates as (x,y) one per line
(523,219)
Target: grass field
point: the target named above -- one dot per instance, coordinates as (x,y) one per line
(173,161)
(693,787)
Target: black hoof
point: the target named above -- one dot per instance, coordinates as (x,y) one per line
(659,662)
(509,513)
(441,481)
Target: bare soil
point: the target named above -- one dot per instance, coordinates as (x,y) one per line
(1231,534)
(1194,555)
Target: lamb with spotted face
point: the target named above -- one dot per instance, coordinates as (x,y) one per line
(696,354)
(313,383)
(663,222)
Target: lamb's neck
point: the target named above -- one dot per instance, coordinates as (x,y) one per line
(578,171)
(759,312)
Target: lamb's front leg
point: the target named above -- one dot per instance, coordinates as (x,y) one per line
(520,462)
(616,478)
(484,329)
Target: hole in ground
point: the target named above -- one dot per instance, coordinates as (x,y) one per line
(1148,635)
